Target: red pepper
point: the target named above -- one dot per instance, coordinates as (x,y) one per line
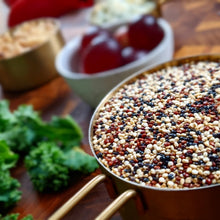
(9,2)
(23,10)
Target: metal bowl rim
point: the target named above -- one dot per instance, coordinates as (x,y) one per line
(33,49)
(174,62)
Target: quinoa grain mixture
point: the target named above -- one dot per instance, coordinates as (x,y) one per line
(25,36)
(163,129)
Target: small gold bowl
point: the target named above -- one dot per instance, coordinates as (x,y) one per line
(35,66)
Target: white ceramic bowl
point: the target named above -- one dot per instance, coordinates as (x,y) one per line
(92,88)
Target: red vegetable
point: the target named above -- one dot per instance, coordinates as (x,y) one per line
(130,54)
(10,2)
(121,35)
(145,33)
(103,53)
(90,34)
(23,10)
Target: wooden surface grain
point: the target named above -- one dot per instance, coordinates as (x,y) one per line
(196,26)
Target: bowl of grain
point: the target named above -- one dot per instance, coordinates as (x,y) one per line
(156,137)
(157,133)
(27,54)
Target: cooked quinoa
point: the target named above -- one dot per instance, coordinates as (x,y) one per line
(163,129)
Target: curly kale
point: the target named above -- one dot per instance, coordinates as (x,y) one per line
(6,117)
(7,157)
(9,193)
(15,216)
(45,167)
(19,127)
(77,160)
(24,129)
(50,148)
(49,166)
(64,131)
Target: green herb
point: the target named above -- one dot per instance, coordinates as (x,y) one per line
(64,131)
(49,167)
(77,160)
(51,149)
(7,157)
(15,216)
(24,129)
(6,117)
(18,130)
(9,194)
(45,167)
(10,217)
(28,217)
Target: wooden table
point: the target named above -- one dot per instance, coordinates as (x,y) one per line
(196,26)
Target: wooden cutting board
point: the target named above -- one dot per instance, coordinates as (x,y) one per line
(196,26)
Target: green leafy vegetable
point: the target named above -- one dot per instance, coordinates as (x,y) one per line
(62,130)
(51,150)
(49,166)
(23,129)
(6,117)
(15,216)
(45,167)
(7,157)
(78,160)
(28,217)
(9,194)
(20,139)
(19,133)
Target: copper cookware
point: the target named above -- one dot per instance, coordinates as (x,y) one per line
(34,67)
(135,201)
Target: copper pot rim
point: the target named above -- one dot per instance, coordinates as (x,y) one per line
(57,26)
(174,62)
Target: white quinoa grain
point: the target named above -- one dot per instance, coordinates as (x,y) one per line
(195,172)
(170,184)
(161,180)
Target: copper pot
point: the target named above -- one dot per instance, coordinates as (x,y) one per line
(135,201)
(34,67)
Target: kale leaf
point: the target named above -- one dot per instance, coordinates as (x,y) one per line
(77,160)
(49,166)
(19,129)
(15,216)
(64,131)
(24,129)
(7,157)
(9,194)
(45,167)
(6,117)
(51,150)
